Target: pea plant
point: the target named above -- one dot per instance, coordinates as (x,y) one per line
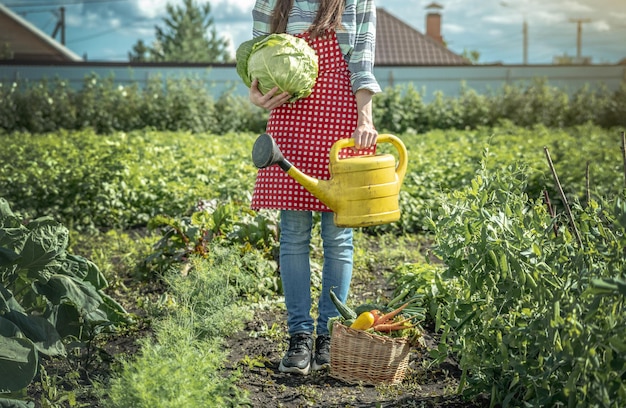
(535,316)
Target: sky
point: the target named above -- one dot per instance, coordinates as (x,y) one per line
(106,30)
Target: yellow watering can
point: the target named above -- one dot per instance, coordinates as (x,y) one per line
(362,190)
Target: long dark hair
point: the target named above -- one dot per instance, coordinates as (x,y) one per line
(328,16)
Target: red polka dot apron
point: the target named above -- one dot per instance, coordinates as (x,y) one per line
(306,129)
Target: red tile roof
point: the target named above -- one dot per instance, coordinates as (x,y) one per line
(397,43)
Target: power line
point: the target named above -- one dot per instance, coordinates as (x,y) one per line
(92,36)
(63,3)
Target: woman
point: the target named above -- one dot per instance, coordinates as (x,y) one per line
(342,33)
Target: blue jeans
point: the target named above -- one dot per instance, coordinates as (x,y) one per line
(295,270)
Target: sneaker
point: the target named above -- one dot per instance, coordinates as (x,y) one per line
(298,357)
(322,352)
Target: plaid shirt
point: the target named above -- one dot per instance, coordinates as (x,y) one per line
(356,37)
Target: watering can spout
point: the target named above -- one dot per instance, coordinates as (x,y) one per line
(265,153)
(362,191)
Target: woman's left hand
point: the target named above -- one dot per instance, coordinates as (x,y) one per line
(365,133)
(364,136)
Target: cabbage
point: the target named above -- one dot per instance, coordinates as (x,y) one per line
(242,55)
(278,60)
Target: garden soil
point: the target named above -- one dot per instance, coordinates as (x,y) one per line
(257,357)
(255,353)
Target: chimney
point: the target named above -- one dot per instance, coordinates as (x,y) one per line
(433,22)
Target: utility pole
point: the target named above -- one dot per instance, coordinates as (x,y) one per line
(524,32)
(60,24)
(579,35)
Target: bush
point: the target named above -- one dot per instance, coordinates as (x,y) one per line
(186,104)
(536,316)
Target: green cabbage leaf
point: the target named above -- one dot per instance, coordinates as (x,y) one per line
(280,60)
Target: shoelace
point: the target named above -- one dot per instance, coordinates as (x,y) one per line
(298,343)
(323,343)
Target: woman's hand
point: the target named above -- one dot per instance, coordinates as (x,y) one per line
(364,136)
(268,101)
(365,133)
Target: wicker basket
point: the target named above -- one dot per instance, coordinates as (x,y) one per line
(357,356)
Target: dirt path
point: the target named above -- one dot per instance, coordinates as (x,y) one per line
(257,350)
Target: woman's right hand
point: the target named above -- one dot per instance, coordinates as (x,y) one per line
(268,101)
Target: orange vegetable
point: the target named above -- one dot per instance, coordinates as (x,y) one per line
(377,314)
(388,327)
(387,317)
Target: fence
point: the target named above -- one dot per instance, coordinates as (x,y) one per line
(427,79)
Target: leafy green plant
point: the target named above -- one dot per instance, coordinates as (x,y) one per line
(90,182)
(182,364)
(210,221)
(53,395)
(236,114)
(187,104)
(46,295)
(522,309)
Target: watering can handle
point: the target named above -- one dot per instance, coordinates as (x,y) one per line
(382,138)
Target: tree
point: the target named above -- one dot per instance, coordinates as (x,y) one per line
(471,55)
(189,35)
(6,53)
(140,52)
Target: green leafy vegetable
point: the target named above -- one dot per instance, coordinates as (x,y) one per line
(278,60)
(47,295)
(242,55)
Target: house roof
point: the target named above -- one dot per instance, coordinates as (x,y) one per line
(27,42)
(397,43)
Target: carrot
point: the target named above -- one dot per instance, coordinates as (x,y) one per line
(377,314)
(387,317)
(387,327)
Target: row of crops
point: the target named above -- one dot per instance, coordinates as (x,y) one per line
(528,296)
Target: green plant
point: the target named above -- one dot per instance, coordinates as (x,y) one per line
(46,295)
(182,365)
(254,362)
(53,395)
(175,372)
(522,315)
(187,104)
(210,221)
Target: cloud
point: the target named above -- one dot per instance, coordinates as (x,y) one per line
(574,7)
(229,10)
(502,19)
(600,25)
(546,18)
(151,9)
(453,28)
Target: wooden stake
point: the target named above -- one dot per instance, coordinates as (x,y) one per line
(567,207)
(546,200)
(587,189)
